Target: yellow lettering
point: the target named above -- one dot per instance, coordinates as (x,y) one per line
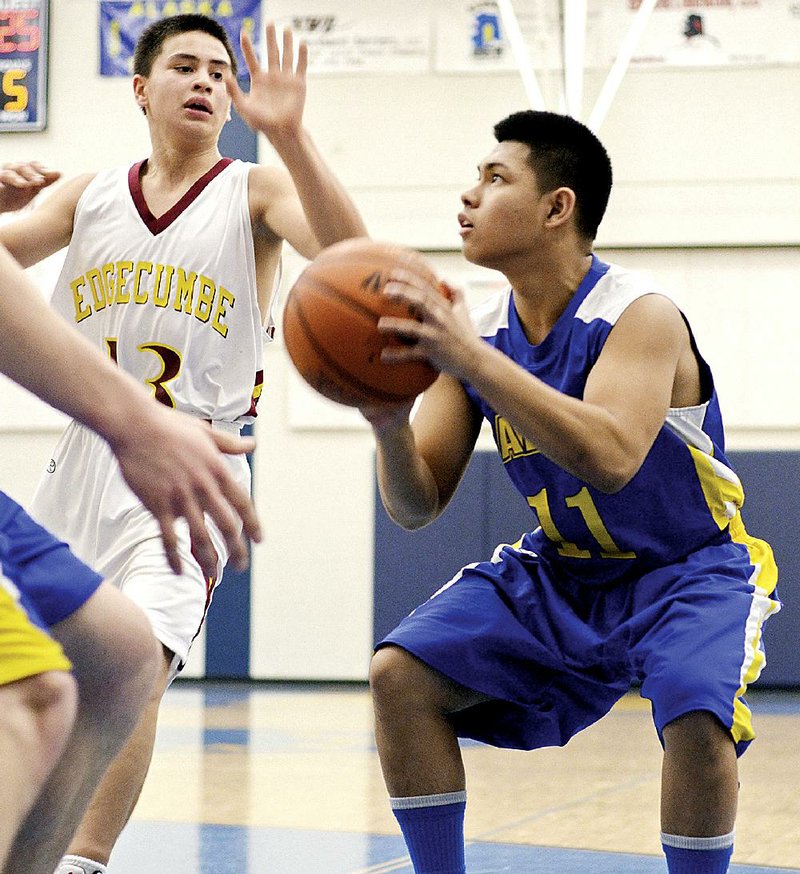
(162,289)
(205,298)
(81,310)
(139,293)
(95,280)
(510,443)
(109,275)
(124,268)
(11,88)
(185,293)
(224,297)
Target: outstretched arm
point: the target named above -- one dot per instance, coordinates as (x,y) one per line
(274,106)
(170,460)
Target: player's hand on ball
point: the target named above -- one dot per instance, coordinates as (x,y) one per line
(440,332)
(21,181)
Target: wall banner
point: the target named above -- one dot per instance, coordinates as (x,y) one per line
(470,35)
(351,36)
(122,22)
(23,65)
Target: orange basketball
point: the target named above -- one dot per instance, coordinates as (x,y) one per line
(330,324)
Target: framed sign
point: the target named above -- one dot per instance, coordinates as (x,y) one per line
(23,64)
(122,23)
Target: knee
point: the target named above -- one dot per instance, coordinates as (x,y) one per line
(700,739)
(138,662)
(123,675)
(391,675)
(38,718)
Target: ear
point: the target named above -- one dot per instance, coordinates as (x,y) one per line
(139,83)
(561,206)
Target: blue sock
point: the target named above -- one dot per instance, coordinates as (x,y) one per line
(697,855)
(433,829)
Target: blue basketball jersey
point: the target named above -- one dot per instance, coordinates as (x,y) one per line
(684,496)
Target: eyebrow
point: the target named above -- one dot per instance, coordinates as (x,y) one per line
(492,165)
(184,56)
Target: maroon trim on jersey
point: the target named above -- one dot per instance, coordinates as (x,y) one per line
(156,225)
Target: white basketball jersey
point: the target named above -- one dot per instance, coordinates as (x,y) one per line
(172,299)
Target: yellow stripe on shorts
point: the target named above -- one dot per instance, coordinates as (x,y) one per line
(25,650)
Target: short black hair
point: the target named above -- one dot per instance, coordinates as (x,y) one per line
(564,152)
(154,35)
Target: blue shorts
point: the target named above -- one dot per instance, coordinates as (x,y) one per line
(50,582)
(554,655)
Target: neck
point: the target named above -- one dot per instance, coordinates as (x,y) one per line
(543,288)
(174,163)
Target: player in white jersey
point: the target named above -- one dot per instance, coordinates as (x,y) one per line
(77,659)
(169,270)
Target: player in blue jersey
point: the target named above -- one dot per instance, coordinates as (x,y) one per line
(640,570)
(77,658)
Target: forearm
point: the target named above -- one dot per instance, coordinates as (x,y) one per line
(50,359)
(331,212)
(408,489)
(580,437)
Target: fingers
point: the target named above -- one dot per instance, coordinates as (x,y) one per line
(249,52)
(273,55)
(302,58)
(169,538)
(288,52)
(277,59)
(30,174)
(231,444)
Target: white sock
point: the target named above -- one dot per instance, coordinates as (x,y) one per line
(70,864)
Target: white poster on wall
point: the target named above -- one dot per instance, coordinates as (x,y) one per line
(709,33)
(349,36)
(471,35)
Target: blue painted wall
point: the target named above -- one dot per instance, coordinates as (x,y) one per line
(487,510)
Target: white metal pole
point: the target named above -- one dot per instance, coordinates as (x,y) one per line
(520,52)
(620,65)
(574,47)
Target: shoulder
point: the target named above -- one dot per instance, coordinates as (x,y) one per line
(68,194)
(267,181)
(616,290)
(491,316)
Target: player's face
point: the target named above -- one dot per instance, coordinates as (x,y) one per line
(186,86)
(503,211)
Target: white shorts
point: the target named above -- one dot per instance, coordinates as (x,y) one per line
(84,499)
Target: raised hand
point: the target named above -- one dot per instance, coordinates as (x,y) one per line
(274,105)
(21,181)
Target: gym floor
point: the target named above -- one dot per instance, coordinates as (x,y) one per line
(284,778)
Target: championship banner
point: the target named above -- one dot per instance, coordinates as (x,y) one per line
(23,65)
(122,22)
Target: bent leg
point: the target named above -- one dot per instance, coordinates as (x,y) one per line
(114,657)
(417,744)
(116,795)
(420,756)
(36,716)
(699,784)
(698,794)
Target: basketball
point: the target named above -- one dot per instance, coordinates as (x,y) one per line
(330,324)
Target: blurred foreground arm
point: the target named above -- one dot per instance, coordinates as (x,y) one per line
(170,460)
